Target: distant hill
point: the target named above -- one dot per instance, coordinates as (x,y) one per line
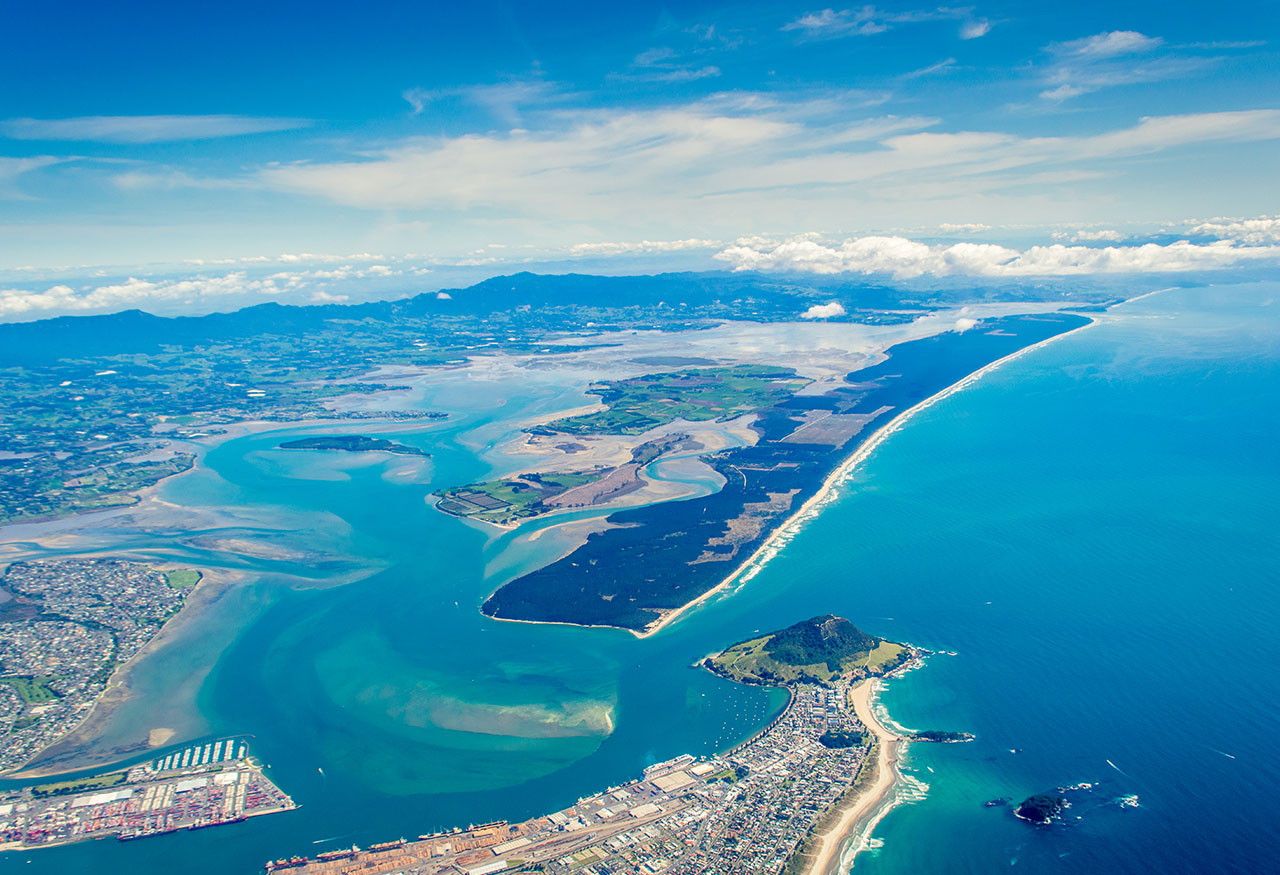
(691,295)
(816,650)
(552,300)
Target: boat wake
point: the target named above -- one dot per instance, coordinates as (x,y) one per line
(1118,769)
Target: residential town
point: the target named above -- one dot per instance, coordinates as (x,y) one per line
(65,625)
(746,811)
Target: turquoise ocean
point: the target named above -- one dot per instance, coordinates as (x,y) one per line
(1092,529)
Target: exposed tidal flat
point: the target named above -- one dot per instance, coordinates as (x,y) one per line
(1109,495)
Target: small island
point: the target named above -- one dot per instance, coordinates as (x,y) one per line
(814,651)
(1041,808)
(353,443)
(942,737)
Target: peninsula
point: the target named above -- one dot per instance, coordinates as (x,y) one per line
(651,562)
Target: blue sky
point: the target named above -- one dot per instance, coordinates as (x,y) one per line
(138,133)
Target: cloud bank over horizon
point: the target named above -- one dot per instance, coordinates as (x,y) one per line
(317,278)
(903,259)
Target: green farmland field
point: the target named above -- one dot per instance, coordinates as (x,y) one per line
(699,394)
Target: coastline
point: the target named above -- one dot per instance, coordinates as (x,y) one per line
(827,492)
(838,843)
(212,586)
(150,494)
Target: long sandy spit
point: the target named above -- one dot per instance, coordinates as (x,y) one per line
(827,493)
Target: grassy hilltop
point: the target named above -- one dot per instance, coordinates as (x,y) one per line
(819,649)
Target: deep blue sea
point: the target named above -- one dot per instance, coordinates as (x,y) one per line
(1093,529)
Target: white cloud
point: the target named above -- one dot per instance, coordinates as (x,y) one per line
(1063,92)
(1219,45)
(654,56)
(869,20)
(830,23)
(12,168)
(939,67)
(964,323)
(1264,229)
(739,157)
(973,29)
(145,128)
(505,101)
(168,178)
(1091,236)
(641,246)
(677,74)
(665,64)
(1106,60)
(963,227)
(133,292)
(590,161)
(1108,45)
(193,292)
(907,259)
(308,257)
(443,296)
(1073,80)
(343,272)
(823,311)
(18,301)
(323,297)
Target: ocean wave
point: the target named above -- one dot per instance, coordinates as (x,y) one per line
(911,790)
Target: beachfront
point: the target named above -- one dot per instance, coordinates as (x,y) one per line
(849,824)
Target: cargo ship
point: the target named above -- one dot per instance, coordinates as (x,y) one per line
(130,836)
(208,823)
